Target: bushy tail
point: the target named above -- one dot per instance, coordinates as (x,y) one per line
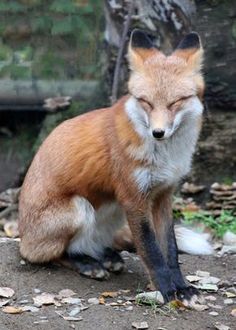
(191,242)
(188,241)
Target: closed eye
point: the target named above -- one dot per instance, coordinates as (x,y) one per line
(145,103)
(179,101)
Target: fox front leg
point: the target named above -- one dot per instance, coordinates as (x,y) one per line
(164,227)
(149,249)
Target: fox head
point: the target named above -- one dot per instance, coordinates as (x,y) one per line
(167,90)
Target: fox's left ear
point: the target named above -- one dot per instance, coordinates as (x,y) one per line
(190,49)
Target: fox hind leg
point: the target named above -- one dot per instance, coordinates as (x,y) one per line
(90,250)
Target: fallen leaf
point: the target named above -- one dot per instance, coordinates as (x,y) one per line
(71,301)
(72,318)
(213,313)
(44,299)
(207,287)
(11,229)
(6,292)
(74,311)
(202,273)
(110,294)
(93,301)
(230,294)
(220,326)
(32,309)
(12,310)
(65,293)
(228,301)
(140,325)
(177,304)
(211,298)
(199,307)
(233,312)
(193,278)
(4,302)
(101,300)
(209,280)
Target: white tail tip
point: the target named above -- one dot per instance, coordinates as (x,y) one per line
(190,242)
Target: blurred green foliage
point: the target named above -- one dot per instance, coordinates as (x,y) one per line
(57,38)
(226,221)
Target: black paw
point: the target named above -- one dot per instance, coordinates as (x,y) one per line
(112,261)
(189,296)
(89,267)
(169,295)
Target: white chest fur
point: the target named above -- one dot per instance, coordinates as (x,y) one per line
(166,161)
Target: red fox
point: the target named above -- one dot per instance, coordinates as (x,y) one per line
(99,169)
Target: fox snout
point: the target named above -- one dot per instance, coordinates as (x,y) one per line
(158,133)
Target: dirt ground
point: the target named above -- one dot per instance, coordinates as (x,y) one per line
(25,278)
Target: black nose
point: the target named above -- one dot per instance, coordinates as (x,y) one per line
(158,133)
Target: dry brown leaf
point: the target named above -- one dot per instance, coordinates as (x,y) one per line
(230,294)
(177,304)
(101,300)
(109,294)
(11,229)
(6,292)
(12,310)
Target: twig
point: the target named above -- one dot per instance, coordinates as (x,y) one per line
(120,53)
(8,210)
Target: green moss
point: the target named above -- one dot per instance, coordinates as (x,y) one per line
(5,53)
(49,65)
(15,71)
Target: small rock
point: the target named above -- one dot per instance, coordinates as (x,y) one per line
(228,301)
(93,301)
(22,262)
(129,308)
(213,313)
(150,297)
(140,325)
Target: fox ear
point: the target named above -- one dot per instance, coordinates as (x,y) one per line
(140,48)
(190,49)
